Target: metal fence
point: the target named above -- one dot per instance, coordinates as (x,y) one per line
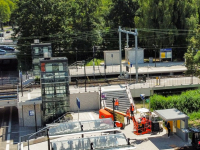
(151,82)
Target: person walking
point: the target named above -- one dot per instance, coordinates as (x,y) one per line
(128,115)
(116,104)
(168,128)
(132,109)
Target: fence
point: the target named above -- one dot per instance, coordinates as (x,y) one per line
(152,82)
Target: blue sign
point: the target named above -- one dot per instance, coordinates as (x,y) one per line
(31,113)
(142,96)
(165,49)
(78,103)
(131,65)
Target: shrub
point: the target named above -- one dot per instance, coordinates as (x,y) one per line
(186,102)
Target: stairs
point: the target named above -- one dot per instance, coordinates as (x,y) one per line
(121,95)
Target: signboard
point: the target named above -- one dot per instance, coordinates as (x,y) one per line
(78,103)
(31,113)
(165,53)
(103,95)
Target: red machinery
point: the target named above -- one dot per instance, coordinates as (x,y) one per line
(141,126)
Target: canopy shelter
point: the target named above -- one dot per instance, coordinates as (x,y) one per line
(82,127)
(171,114)
(177,119)
(111,141)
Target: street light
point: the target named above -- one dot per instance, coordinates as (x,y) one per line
(155,46)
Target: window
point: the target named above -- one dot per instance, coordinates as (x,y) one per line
(45,49)
(49,90)
(36,50)
(48,67)
(60,90)
(54,67)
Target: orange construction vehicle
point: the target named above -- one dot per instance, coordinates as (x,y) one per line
(142,126)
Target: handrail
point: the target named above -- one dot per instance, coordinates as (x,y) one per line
(37,133)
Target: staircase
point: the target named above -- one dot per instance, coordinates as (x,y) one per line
(121,95)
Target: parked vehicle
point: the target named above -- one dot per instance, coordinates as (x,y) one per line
(7,31)
(2,52)
(7,48)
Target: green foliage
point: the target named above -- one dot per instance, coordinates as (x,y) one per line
(96,62)
(172,17)
(187,102)
(194,115)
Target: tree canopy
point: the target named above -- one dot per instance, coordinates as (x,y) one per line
(78,25)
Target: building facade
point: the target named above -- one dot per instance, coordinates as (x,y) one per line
(54,88)
(38,50)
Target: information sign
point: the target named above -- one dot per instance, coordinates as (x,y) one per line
(31,113)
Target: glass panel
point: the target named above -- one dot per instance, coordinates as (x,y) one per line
(60,67)
(64,128)
(36,50)
(111,141)
(48,67)
(45,49)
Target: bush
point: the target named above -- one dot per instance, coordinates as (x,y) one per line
(187,102)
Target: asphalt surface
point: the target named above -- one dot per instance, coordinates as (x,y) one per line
(5,143)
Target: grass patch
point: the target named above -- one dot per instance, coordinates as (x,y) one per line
(96,62)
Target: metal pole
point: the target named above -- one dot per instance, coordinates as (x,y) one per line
(136,60)
(48,139)
(130,74)
(85,77)
(155,56)
(114,110)
(127,39)
(78,114)
(100,95)
(21,83)
(76,60)
(35,119)
(93,63)
(120,52)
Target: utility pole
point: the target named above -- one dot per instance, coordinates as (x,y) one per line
(85,76)
(136,60)
(93,64)
(155,46)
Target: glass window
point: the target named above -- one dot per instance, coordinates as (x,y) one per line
(49,90)
(36,50)
(45,49)
(48,67)
(182,124)
(60,67)
(55,67)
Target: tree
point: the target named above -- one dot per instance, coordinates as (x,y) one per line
(192,55)
(44,20)
(166,23)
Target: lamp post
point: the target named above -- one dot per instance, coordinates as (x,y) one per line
(155,46)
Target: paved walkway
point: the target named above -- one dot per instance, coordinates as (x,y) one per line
(146,68)
(141,142)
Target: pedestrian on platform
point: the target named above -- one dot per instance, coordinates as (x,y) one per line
(168,128)
(132,109)
(128,115)
(116,104)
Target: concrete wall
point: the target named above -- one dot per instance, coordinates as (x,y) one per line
(25,119)
(89,101)
(8,103)
(137,92)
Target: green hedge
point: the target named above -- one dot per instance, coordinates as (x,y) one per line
(187,102)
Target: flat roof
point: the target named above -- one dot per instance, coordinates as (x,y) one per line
(53,59)
(8,57)
(30,97)
(171,114)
